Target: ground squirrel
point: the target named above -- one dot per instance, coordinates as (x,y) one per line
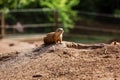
(54,37)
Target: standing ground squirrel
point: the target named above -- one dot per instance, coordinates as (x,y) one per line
(54,37)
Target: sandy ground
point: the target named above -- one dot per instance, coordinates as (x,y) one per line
(66,61)
(7,46)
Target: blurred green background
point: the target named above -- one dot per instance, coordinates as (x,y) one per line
(84,21)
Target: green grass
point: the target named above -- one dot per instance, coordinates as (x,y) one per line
(88,38)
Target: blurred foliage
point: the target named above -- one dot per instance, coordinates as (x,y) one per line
(15,4)
(100,6)
(6,5)
(117,12)
(67,8)
(64,7)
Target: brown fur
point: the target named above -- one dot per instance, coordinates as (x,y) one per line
(54,37)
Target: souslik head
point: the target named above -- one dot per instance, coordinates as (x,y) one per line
(60,30)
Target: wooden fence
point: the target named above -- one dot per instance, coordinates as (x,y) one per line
(4,26)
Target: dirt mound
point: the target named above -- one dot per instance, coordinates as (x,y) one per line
(7,46)
(66,61)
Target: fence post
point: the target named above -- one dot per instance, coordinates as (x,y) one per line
(2,25)
(56,18)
